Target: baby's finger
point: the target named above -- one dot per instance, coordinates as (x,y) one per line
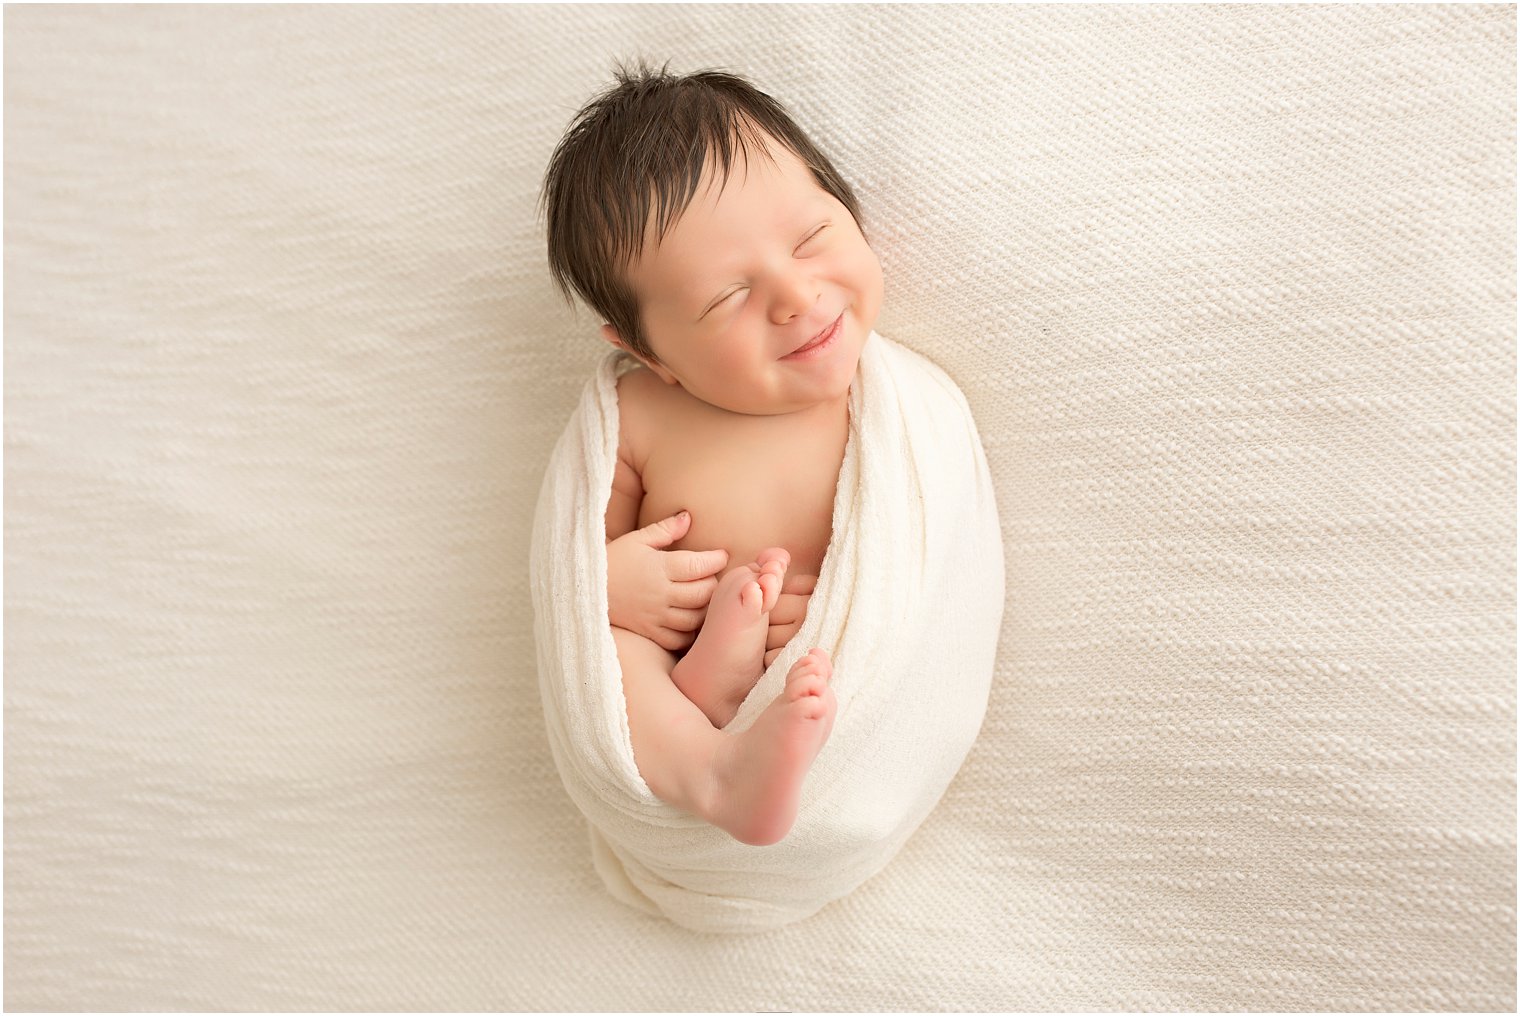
(686,565)
(799,583)
(666,531)
(680,620)
(778,635)
(695,595)
(789,607)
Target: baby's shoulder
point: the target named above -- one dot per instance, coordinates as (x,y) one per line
(638,384)
(652,413)
(644,405)
(640,394)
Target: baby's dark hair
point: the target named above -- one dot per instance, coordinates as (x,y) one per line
(641,145)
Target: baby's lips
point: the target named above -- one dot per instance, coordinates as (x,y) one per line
(819,334)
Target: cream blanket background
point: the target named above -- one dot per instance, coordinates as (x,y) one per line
(1230,291)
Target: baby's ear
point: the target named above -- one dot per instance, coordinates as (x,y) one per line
(611,335)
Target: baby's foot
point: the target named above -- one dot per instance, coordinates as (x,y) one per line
(757,775)
(727,658)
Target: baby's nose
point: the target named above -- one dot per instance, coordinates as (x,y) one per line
(794,298)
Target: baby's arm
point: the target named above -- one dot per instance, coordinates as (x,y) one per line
(656,593)
(627,494)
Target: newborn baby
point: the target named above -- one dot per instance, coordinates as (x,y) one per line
(725,253)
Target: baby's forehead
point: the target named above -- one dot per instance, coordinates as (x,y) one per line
(663,272)
(674,250)
(783,182)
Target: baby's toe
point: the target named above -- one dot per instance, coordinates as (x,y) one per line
(808,676)
(770,585)
(774,560)
(820,660)
(752,597)
(805,686)
(814,707)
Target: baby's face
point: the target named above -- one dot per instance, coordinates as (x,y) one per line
(745,283)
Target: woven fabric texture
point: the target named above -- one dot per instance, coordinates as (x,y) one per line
(1230,291)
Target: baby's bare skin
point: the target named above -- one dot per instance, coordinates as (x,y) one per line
(759,487)
(750,483)
(757,302)
(728,656)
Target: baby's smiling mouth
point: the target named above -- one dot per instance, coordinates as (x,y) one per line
(818,340)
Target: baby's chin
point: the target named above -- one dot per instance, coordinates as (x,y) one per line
(835,389)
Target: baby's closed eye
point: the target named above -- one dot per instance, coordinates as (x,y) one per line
(814,235)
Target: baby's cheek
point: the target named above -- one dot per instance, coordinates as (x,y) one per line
(871,272)
(861,274)
(735,357)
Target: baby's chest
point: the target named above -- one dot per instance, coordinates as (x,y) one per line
(748,488)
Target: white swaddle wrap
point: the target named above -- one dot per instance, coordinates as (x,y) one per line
(908,605)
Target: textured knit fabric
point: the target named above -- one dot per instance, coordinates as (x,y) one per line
(1230,291)
(907,605)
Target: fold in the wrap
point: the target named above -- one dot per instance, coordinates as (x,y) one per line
(908,604)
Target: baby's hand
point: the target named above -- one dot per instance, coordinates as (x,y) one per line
(791,608)
(661,594)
